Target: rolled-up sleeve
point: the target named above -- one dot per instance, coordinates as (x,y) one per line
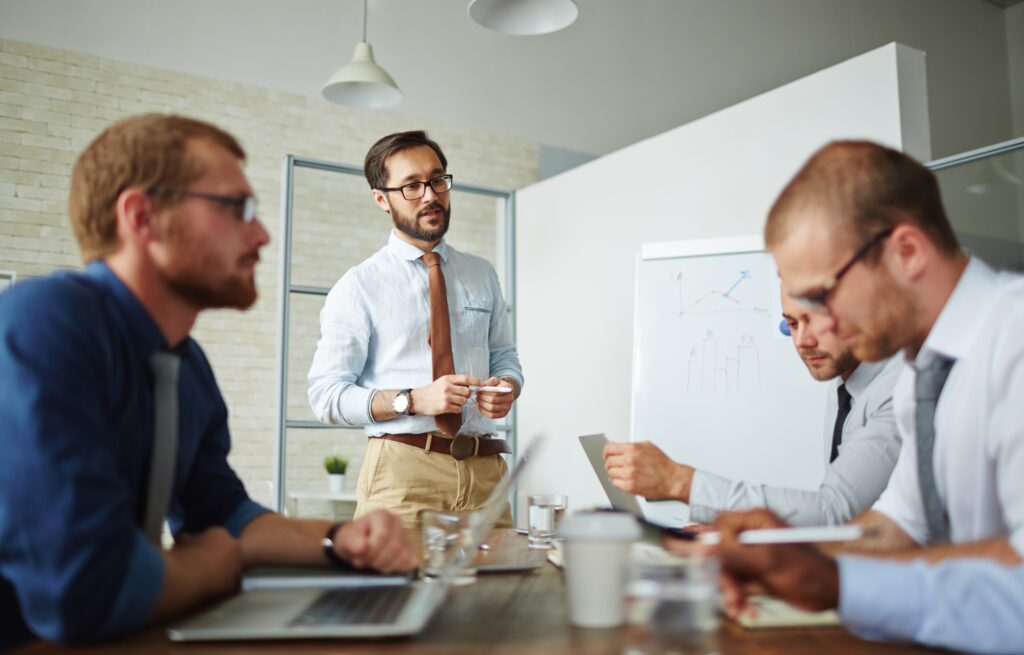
(345,330)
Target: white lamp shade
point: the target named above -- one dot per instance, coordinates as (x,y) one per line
(362,83)
(523,17)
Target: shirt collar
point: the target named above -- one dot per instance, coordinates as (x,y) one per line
(862,376)
(955,329)
(143,330)
(402,249)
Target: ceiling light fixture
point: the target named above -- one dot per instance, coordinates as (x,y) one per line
(362,83)
(523,17)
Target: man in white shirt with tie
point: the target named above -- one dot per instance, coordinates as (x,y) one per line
(407,338)
(860,445)
(861,237)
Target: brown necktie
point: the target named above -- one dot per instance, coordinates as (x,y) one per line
(441,336)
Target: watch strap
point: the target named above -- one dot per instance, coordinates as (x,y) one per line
(328,545)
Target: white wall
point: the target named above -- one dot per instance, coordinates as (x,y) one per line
(578,235)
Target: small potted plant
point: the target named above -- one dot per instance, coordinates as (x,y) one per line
(335,467)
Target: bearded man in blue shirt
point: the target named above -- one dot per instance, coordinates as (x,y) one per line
(112,419)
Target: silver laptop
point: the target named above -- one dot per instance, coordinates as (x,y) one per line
(593,446)
(353,611)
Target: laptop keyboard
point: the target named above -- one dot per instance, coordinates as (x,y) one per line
(355,606)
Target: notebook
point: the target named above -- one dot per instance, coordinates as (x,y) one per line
(357,610)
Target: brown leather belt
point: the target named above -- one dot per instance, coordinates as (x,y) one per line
(461,447)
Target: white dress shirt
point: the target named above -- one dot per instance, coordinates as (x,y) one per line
(867,455)
(979,420)
(374,328)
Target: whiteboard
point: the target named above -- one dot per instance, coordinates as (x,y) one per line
(717,384)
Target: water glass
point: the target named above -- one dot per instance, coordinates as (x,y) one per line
(544,514)
(448,545)
(676,598)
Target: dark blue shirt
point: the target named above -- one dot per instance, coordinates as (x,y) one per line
(76,429)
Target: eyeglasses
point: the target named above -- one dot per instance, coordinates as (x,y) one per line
(416,190)
(244,207)
(818,298)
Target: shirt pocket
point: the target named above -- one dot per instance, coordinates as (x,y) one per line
(475,319)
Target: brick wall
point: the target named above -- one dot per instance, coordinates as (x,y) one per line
(53,102)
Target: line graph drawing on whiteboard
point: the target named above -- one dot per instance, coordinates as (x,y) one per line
(716,368)
(715,301)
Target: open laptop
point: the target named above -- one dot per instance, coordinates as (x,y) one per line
(622,501)
(373,610)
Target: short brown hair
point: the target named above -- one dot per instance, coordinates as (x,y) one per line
(863,188)
(148,151)
(374,165)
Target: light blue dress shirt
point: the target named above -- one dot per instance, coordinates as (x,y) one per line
(966,604)
(374,328)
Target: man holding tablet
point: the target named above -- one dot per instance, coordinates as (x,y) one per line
(860,445)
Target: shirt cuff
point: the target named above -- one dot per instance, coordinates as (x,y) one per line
(355,405)
(143,581)
(880,599)
(707,492)
(242,516)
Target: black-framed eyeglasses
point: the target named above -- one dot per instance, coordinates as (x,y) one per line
(416,190)
(244,208)
(818,298)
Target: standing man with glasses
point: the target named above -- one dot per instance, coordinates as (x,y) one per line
(407,337)
(111,420)
(860,236)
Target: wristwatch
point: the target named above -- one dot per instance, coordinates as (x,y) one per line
(402,402)
(328,545)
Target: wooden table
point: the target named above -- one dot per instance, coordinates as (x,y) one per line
(518,614)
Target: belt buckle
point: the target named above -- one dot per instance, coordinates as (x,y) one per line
(463,446)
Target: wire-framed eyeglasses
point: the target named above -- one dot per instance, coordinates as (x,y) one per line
(244,207)
(817,299)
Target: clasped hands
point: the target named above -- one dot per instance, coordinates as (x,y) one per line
(448,394)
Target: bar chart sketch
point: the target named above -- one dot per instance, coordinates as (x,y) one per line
(715,366)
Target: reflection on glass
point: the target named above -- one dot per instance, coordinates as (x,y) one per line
(985,203)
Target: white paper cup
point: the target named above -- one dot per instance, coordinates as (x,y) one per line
(596,552)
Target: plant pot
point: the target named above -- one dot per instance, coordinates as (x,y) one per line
(336,483)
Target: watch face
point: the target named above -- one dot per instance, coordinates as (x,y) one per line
(401,404)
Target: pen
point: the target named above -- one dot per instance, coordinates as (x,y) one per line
(793,535)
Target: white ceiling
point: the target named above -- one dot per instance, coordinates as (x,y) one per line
(626,70)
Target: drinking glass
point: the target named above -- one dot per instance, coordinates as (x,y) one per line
(544,513)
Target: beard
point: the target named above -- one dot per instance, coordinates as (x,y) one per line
(834,365)
(197,274)
(887,330)
(410,226)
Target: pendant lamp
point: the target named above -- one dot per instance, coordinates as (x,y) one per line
(362,83)
(523,17)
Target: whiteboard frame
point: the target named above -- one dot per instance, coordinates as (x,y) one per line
(669,250)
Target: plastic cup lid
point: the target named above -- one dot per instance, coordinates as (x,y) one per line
(600,526)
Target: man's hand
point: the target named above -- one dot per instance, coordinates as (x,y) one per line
(493,404)
(377,540)
(445,395)
(198,568)
(797,573)
(642,469)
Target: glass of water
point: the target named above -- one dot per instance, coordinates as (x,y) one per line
(676,598)
(544,512)
(448,548)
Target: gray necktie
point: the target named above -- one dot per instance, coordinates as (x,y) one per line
(164,459)
(927,388)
